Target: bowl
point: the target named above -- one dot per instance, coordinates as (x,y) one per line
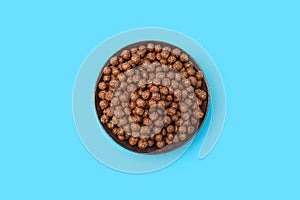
(164,66)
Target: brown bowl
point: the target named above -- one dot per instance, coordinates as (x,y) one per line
(153,149)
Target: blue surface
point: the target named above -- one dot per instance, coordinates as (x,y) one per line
(256,47)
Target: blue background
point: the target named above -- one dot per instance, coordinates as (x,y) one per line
(255,46)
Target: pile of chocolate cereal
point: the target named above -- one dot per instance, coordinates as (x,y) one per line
(151,96)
